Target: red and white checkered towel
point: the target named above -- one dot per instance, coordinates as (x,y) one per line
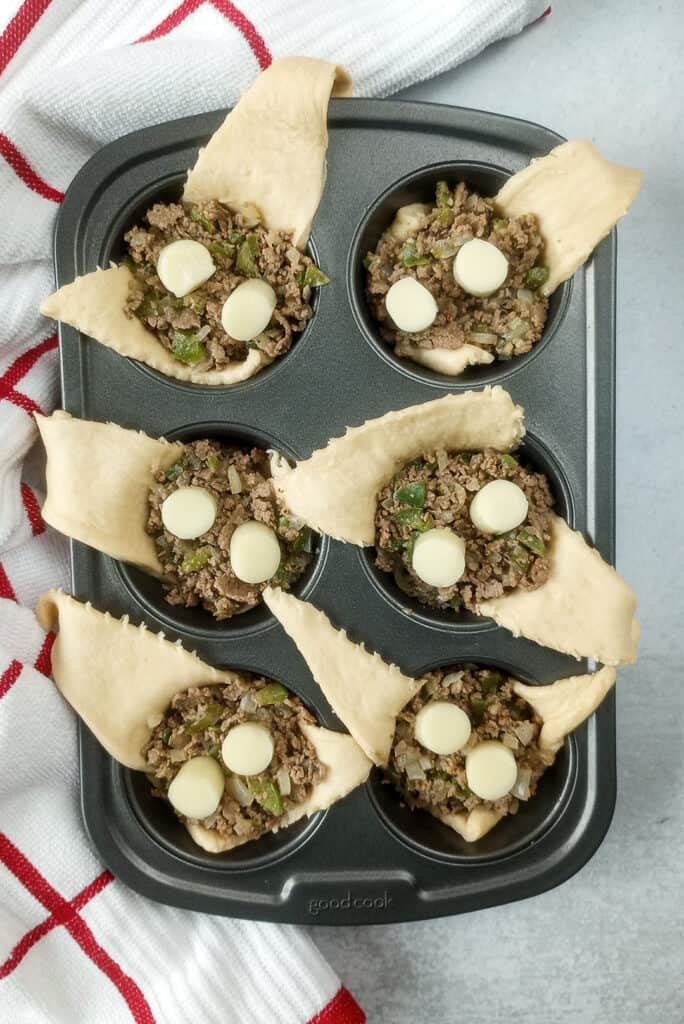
(76,945)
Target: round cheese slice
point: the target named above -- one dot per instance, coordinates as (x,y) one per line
(254,552)
(439,557)
(248,749)
(188,512)
(184,265)
(498,507)
(411,306)
(442,727)
(479,267)
(197,789)
(248,310)
(491,770)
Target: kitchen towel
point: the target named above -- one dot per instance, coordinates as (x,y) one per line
(75,944)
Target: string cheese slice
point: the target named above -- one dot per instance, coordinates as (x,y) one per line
(479,267)
(184,265)
(248,310)
(189,512)
(197,789)
(439,557)
(442,727)
(411,306)
(491,770)
(499,506)
(248,749)
(254,552)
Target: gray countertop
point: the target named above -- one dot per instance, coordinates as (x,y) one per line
(608,945)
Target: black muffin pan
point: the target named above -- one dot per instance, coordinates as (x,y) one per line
(368,858)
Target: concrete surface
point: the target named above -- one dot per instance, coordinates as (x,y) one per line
(608,945)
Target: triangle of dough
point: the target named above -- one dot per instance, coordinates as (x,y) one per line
(450,361)
(270,152)
(565,704)
(98,480)
(585,608)
(118,677)
(364,692)
(578,197)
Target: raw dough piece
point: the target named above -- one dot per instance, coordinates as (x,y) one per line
(585,608)
(98,480)
(363,691)
(578,197)
(270,151)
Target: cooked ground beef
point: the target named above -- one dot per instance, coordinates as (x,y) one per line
(436,491)
(507,323)
(198,571)
(195,725)
(191,327)
(430,780)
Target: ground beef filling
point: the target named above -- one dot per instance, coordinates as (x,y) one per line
(190,327)
(196,724)
(505,324)
(436,491)
(199,571)
(438,781)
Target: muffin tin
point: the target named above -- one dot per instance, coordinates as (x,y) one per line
(367,859)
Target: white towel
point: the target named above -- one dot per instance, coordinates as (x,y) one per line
(76,945)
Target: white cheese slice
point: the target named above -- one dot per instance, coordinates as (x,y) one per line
(254,552)
(248,310)
(184,265)
(439,557)
(197,789)
(491,770)
(189,512)
(248,749)
(442,727)
(479,267)
(498,507)
(411,306)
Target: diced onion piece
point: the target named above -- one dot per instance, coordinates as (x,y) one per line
(411,306)
(280,467)
(197,789)
(525,295)
(248,310)
(247,749)
(239,790)
(284,781)
(498,507)
(254,552)
(184,265)
(413,770)
(480,268)
(439,557)
(442,727)
(234,481)
(188,512)
(248,704)
(451,678)
(482,338)
(409,220)
(521,789)
(491,770)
